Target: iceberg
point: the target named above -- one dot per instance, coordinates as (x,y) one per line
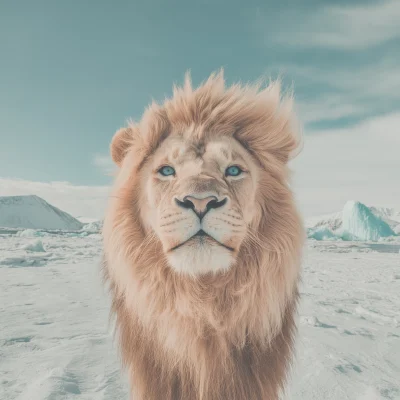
(361,223)
(355,222)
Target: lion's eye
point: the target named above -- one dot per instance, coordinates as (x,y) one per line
(166,170)
(234,170)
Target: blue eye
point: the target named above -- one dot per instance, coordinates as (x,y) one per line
(166,171)
(234,170)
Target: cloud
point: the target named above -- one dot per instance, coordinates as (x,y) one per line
(343,59)
(361,163)
(345,91)
(377,78)
(87,201)
(329,108)
(351,27)
(104,163)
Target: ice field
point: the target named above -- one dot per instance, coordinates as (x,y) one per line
(56,342)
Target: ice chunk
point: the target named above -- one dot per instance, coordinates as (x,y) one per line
(93,227)
(36,246)
(31,233)
(321,234)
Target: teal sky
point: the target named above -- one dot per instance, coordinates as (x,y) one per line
(72,72)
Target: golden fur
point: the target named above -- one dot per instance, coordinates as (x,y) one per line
(222,327)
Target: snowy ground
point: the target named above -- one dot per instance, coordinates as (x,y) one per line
(55,341)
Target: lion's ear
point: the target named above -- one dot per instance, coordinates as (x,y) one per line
(122,141)
(289,144)
(285,131)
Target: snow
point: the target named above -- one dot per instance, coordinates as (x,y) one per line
(331,221)
(34,213)
(86,220)
(56,342)
(356,222)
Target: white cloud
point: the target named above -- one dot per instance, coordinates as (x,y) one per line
(378,78)
(87,201)
(329,108)
(361,163)
(362,91)
(104,163)
(351,27)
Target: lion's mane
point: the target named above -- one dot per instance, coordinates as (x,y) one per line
(225,336)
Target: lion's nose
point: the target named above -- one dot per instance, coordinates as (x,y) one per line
(200,205)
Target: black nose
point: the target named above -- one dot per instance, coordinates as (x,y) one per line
(200,206)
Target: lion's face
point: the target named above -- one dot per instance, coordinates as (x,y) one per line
(200,200)
(202,180)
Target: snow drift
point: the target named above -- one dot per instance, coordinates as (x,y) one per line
(34,213)
(355,222)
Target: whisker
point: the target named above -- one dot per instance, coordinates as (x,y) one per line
(170,215)
(232,216)
(174,222)
(228,222)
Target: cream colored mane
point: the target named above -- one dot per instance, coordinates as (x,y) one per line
(221,327)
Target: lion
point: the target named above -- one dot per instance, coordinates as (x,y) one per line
(203,243)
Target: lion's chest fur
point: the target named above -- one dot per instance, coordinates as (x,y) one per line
(201,350)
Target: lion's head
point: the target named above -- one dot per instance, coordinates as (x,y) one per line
(200,173)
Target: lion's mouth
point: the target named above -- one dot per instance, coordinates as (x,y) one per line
(201,234)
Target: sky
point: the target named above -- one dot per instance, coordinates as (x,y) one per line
(72,73)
